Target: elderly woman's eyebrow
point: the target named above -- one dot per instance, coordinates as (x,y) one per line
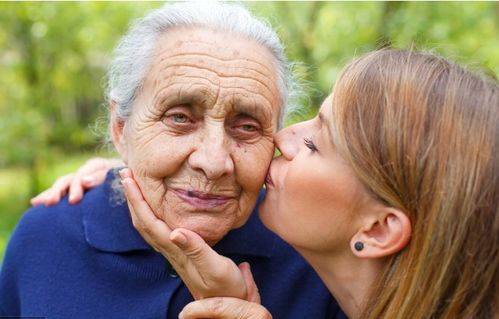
(260,111)
(171,95)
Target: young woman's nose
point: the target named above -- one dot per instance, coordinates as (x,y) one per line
(290,140)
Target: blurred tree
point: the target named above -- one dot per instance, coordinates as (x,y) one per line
(53,58)
(326,35)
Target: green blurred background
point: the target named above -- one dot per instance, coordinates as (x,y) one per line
(53,57)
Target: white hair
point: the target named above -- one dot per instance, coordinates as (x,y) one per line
(133,55)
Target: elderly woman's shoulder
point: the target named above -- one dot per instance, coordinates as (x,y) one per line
(53,227)
(42,225)
(46,241)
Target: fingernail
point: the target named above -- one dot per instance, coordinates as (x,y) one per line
(177,237)
(122,172)
(124,182)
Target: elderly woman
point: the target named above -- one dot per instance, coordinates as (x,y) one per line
(193,115)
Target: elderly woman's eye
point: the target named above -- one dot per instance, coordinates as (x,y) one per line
(179,118)
(245,128)
(249,128)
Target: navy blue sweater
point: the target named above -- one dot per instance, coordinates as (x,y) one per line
(87,261)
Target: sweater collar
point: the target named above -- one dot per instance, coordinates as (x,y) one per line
(108,227)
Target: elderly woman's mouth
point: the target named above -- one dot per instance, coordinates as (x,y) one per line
(202,200)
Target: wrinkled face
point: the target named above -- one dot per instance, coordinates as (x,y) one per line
(200,136)
(313,197)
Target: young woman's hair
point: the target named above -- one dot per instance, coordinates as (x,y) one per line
(422,133)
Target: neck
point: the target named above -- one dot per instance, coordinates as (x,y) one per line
(347,277)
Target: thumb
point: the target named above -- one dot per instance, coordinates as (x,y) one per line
(224,308)
(253,294)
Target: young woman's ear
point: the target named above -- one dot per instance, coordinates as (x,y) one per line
(386,234)
(117,127)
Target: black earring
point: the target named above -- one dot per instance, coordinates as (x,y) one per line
(359,245)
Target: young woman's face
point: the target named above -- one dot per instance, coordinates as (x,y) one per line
(313,196)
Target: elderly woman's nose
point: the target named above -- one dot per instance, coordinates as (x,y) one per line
(290,140)
(212,158)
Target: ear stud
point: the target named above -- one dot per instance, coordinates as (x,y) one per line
(358,246)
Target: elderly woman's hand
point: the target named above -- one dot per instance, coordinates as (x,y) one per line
(204,272)
(224,308)
(91,174)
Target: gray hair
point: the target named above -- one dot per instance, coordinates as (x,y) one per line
(134,52)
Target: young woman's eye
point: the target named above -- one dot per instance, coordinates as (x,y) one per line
(310,144)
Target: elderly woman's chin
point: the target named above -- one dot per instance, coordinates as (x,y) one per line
(211,217)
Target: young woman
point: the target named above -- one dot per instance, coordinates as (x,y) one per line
(390,193)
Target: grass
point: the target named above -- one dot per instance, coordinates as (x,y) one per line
(14,190)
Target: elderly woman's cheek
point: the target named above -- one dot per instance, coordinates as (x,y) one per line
(163,156)
(252,163)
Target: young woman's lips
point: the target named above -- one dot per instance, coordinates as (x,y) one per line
(201,200)
(268,179)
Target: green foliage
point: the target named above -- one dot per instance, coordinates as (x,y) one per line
(326,35)
(53,57)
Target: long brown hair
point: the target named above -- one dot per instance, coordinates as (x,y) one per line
(422,133)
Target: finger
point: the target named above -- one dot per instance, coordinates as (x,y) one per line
(95,178)
(41,198)
(53,197)
(48,197)
(211,266)
(252,289)
(75,190)
(82,182)
(224,308)
(126,173)
(195,247)
(218,275)
(143,217)
(88,181)
(61,185)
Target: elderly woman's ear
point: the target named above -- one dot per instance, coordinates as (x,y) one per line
(385,233)
(117,126)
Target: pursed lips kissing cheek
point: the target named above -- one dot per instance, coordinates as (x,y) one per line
(268,178)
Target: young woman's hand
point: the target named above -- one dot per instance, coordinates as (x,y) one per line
(91,174)
(224,308)
(204,271)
